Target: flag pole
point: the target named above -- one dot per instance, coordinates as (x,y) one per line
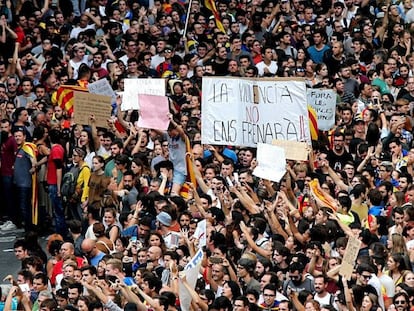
(187,18)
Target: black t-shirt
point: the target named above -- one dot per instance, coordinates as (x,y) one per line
(337,162)
(221,69)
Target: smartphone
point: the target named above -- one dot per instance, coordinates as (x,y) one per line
(216,260)
(236,178)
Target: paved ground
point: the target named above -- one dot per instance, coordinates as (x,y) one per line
(8,263)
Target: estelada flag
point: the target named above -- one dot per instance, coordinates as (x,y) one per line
(211,5)
(64,96)
(31,150)
(313,123)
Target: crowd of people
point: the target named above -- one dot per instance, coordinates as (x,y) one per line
(123,206)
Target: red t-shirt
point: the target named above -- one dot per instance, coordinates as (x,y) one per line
(56,153)
(20,35)
(8,155)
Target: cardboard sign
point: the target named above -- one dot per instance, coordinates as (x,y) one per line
(86,104)
(351,253)
(294,150)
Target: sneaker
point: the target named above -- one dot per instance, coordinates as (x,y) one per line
(9,226)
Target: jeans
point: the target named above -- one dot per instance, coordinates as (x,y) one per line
(24,197)
(58,211)
(7,198)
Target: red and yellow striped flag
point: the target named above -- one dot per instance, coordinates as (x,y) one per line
(313,123)
(64,96)
(321,197)
(190,170)
(211,5)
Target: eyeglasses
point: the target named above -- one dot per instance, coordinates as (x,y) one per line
(400,302)
(147,59)
(167,51)
(294,277)
(367,277)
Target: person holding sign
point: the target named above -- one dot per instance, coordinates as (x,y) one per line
(176,136)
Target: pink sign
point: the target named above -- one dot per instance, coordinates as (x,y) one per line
(153,112)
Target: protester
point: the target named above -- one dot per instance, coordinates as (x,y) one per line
(141,205)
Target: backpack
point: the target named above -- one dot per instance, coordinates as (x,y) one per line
(69,182)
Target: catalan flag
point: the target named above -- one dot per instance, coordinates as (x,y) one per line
(190,170)
(313,123)
(31,150)
(64,96)
(322,198)
(211,5)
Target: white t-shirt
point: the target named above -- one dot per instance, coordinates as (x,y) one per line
(76,65)
(261,67)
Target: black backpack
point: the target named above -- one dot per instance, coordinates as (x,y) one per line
(69,181)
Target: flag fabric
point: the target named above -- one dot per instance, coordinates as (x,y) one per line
(31,150)
(321,197)
(313,123)
(64,96)
(190,170)
(211,5)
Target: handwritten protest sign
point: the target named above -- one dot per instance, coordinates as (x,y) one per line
(324,104)
(250,111)
(86,104)
(350,255)
(271,162)
(153,112)
(294,150)
(102,87)
(134,87)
